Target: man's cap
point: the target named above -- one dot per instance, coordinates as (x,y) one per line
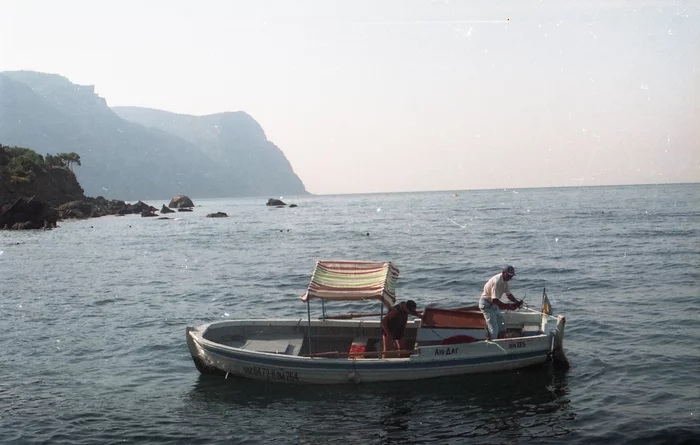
(411,306)
(510,270)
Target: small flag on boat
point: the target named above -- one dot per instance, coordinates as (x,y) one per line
(546,305)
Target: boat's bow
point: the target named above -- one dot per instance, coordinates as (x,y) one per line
(558,355)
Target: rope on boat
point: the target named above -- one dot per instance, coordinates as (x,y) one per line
(496,344)
(527,308)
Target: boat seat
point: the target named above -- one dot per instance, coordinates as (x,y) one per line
(288,344)
(451,318)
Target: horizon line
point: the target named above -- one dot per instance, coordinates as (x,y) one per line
(298,195)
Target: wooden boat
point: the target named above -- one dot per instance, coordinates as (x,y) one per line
(347,348)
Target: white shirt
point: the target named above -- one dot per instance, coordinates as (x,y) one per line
(495,288)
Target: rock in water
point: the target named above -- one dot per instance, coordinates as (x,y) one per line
(180,201)
(165,209)
(217,215)
(275,202)
(139,207)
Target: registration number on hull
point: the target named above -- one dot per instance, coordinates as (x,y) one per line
(279,375)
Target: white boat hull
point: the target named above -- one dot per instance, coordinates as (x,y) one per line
(424,362)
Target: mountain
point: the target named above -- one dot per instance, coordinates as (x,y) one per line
(126,160)
(233,139)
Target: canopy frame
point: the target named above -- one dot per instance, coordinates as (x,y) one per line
(341,280)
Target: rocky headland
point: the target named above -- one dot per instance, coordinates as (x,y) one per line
(38,191)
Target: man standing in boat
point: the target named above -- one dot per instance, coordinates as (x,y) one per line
(394,325)
(490,302)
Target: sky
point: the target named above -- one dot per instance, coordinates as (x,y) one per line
(366,96)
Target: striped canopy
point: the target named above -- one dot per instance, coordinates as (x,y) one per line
(353,280)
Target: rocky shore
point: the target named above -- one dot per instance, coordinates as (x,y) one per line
(32,213)
(36,192)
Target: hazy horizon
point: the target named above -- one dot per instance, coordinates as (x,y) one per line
(289,198)
(402,96)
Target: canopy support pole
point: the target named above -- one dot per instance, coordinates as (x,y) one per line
(323,308)
(308,311)
(381,331)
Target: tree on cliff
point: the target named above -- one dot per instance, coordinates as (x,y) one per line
(53,161)
(20,165)
(69,159)
(24,173)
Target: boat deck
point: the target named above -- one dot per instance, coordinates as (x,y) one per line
(359,338)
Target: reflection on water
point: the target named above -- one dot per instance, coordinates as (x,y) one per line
(495,408)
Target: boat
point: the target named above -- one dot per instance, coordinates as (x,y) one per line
(346,349)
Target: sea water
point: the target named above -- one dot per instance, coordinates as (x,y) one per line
(94,314)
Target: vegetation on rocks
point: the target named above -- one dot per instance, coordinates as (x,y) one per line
(21,165)
(37,191)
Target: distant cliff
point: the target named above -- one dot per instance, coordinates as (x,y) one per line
(234,140)
(128,160)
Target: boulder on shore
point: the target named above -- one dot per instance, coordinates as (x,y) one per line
(27,213)
(165,209)
(96,207)
(29,225)
(217,215)
(180,201)
(75,210)
(275,202)
(102,207)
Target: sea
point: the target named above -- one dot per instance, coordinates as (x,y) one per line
(94,314)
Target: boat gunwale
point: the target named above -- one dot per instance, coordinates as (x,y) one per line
(373,364)
(197,334)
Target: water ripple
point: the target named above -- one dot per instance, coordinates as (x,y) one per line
(94,350)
